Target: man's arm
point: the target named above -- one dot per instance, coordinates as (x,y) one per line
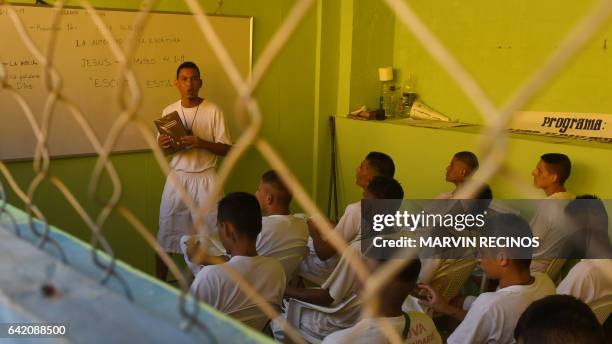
(439,304)
(216,148)
(196,256)
(322,248)
(315,296)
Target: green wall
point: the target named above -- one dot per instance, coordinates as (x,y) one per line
(501,44)
(286,97)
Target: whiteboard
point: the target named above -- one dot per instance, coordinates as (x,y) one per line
(90,73)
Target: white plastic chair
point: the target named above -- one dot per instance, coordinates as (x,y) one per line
(554,269)
(602,308)
(295,308)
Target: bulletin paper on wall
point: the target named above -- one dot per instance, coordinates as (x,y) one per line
(586,126)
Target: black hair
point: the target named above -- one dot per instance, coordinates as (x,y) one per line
(480,201)
(558,319)
(281,192)
(558,164)
(382,163)
(512,227)
(484,192)
(242,210)
(469,159)
(187,64)
(385,188)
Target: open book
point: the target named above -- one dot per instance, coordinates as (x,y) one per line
(172,125)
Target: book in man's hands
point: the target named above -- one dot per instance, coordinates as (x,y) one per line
(172,125)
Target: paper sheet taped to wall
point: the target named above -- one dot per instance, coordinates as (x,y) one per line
(588,126)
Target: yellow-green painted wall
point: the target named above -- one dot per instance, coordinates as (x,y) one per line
(500,44)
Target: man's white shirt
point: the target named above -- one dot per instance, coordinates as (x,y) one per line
(422,331)
(208,123)
(214,285)
(589,280)
(285,238)
(493,315)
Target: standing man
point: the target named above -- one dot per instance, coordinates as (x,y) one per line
(193,167)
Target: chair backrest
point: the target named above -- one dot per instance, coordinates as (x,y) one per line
(252,316)
(451,279)
(295,308)
(554,269)
(602,308)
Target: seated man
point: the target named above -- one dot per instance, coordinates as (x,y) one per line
(414,327)
(549,223)
(323,256)
(558,319)
(283,236)
(589,217)
(341,284)
(493,315)
(239,224)
(590,279)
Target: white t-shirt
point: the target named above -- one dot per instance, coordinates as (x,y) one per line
(589,280)
(341,284)
(349,229)
(215,287)
(283,237)
(349,226)
(495,204)
(493,316)
(551,225)
(367,331)
(209,125)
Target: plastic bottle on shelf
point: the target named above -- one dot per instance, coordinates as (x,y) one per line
(408,97)
(389,100)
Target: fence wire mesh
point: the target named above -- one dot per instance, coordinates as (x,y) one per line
(493,146)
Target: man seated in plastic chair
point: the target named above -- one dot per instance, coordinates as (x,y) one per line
(591,279)
(283,236)
(413,327)
(323,256)
(549,222)
(239,223)
(559,319)
(492,316)
(320,316)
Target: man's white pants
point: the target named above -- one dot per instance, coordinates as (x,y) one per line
(175,217)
